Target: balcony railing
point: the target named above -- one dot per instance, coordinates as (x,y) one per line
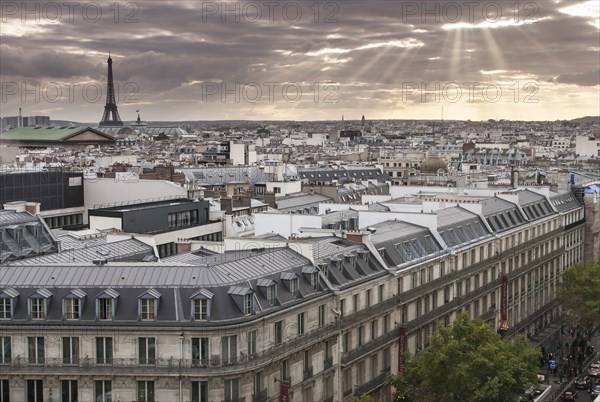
(328,363)
(371,385)
(261,396)
(308,373)
(368,347)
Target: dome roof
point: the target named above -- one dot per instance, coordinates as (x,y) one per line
(432,164)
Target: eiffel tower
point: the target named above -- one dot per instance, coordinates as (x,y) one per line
(111,117)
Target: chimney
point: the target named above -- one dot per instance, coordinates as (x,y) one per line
(32,207)
(270,199)
(227,205)
(183,246)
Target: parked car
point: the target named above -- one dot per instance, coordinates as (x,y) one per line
(596,390)
(594,370)
(569,395)
(582,382)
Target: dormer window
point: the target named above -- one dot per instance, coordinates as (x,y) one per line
(312,274)
(38,307)
(292,282)
(38,304)
(106,305)
(271,293)
(148,305)
(270,288)
(72,309)
(243,298)
(7,303)
(105,309)
(294,287)
(200,303)
(72,304)
(314,281)
(248,305)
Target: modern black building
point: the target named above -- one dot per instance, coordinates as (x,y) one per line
(160,223)
(154,217)
(59,193)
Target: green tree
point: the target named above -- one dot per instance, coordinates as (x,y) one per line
(469,362)
(579,294)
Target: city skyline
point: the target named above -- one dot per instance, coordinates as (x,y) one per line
(179,61)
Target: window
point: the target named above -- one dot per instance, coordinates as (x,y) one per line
(386,323)
(105,309)
(70,350)
(145,391)
(301,322)
(37,308)
(355,302)
(399,285)
(294,287)
(346,342)
(200,351)
(271,294)
(147,350)
(321,315)
(200,309)
(228,349)
(248,307)
(380,291)
(342,307)
(71,306)
(278,332)
(361,335)
(36,346)
(314,280)
(251,337)
(104,350)
(4,391)
(5,308)
(69,391)
(373,329)
(284,370)
(257,383)
(103,391)
(199,391)
(386,358)
(232,390)
(148,309)
(35,391)
(5,350)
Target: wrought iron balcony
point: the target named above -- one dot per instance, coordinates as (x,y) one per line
(308,373)
(261,396)
(368,347)
(371,385)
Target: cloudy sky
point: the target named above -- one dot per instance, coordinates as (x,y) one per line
(303,60)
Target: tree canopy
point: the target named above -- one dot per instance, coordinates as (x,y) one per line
(469,362)
(580,295)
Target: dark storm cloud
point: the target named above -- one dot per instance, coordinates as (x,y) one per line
(365,46)
(588,78)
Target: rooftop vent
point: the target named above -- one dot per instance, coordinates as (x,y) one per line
(99,261)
